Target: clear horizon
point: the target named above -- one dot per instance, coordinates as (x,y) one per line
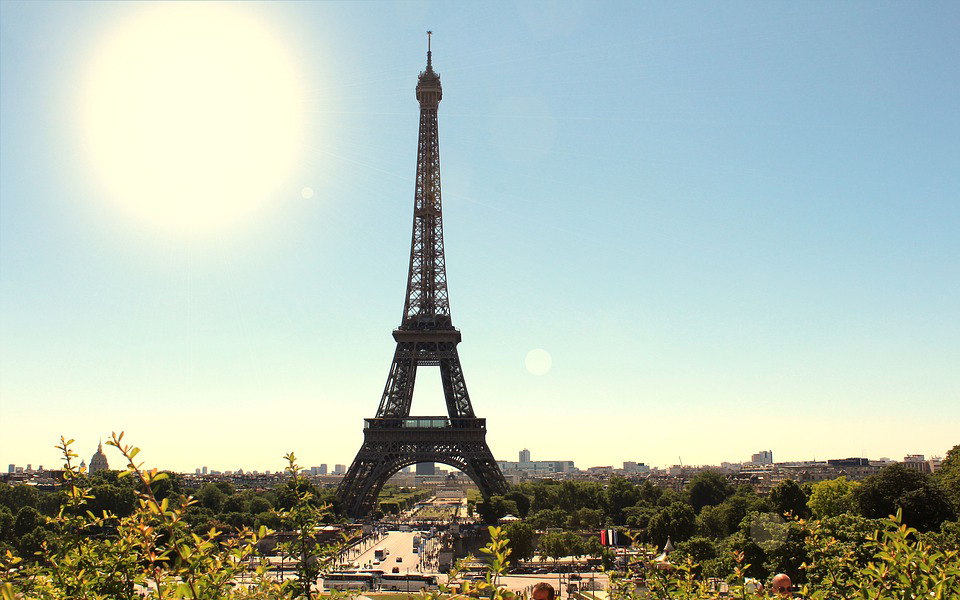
(113,453)
(671,231)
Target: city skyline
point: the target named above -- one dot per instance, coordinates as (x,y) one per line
(765,457)
(670,233)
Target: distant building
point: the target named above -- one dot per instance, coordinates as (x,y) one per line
(99,461)
(630,466)
(203,470)
(197,471)
(524,456)
(323,468)
(919,463)
(848,462)
(764,457)
(339,469)
(12,469)
(537,467)
(605,470)
(426,468)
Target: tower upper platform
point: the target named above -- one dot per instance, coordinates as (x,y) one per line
(429,91)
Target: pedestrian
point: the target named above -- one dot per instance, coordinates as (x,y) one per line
(543,591)
(782,586)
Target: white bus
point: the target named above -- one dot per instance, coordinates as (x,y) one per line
(380,554)
(407,583)
(349,580)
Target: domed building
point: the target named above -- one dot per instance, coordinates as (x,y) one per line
(99,461)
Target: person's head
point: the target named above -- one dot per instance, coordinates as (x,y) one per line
(543,591)
(781,585)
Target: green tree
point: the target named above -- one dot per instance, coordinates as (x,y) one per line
(649,494)
(723,519)
(211,496)
(522,501)
(6,526)
(788,497)
(523,540)
(948,475)
(553,545)
(924,503)
(638,517)
(119,500)
(258,504)
(573,495)
(927,508)
(269,519)
(837,550)
(18,495)
(495,508)
(234,503)
(170,486)
(303,518)
(677,522)
(585,518)
(573,544)
(711,522)
(592,546)
(699,548)
(548,518)
(618,495)
(708,488)
(832,498)
(28,518)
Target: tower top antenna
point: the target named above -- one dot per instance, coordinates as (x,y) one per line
(429,53)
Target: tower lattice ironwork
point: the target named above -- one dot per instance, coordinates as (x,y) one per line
(426,337)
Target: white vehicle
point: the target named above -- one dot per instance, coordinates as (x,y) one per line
(349,580)
(408,583)
(380,553)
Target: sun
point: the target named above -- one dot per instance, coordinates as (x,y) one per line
(191,116)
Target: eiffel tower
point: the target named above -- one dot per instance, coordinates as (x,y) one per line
(426,337)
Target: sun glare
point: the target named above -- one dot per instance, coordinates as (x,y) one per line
(192,116)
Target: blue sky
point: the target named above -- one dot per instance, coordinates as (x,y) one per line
(732,227)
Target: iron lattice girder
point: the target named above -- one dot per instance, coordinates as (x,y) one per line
(415,349)
(427,296)
(426,337)
(389,446)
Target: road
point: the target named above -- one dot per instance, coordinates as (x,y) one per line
(399,546)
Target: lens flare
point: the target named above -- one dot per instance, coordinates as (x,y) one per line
(538,362)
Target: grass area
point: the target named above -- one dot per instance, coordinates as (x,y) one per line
(434,512)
